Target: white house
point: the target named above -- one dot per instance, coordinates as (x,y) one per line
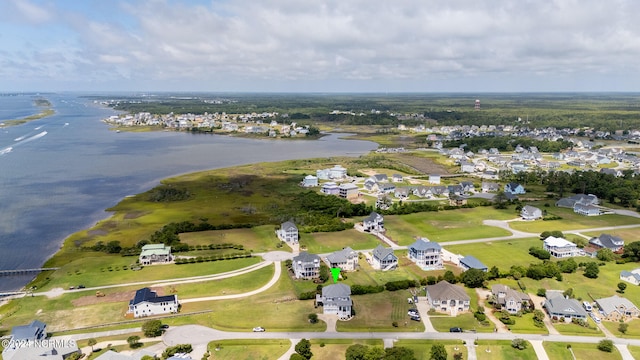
(288,232)
(155,254)
(310,181)
(560,248)
(373,222)
(28,342)
(148,303)
(426,254)
(347,191)
(632,276)
(345,259)
(434,179)
(529,212)
(330,188)
(383,258)
(306,266)
(336,300)
(447,298)
(337,172)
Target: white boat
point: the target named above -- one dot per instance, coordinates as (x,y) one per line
(6,150)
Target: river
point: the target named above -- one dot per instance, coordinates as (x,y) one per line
(58,174)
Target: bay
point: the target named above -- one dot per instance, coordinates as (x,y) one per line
(62,171)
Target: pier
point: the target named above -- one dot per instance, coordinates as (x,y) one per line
(24,271)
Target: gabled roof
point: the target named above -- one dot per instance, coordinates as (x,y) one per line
(444,291)
(305,257)
(381,252)
(473,263)
(422,245)
(607,241)
(146,295)
(340,256)
(336,291)
(372,217)
(562,306)
(32,331)
(553,241)
(611,304)
(155,249)
(288,225)
(529,210)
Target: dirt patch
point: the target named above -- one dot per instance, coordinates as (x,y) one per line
(134,214)
(110,297)
(421,164)
(97,232)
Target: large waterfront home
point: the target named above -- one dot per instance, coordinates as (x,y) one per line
(148,303)
(345,259)
(383,258)
(155,254)
(426,254)
(288,232)
(560,248)
(336,300)
(448,298)
(306,266)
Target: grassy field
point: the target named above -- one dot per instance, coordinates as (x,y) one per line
(628,235)
(320,243)
(524,325)
(502,254)
(635,351)
(422,348)
(377,312)
(573,329)
(633,331)
(100,270)
(248,349)
(572,221)
(501,349)
(465,321)
(581,351)
(336,348)
(258,239)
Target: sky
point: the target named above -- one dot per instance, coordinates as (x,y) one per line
(320,46)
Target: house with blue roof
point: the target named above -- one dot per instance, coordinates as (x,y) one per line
(426,254)
(632,276)
(470,262)
(148,303)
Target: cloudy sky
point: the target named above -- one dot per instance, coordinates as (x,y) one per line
(320,46)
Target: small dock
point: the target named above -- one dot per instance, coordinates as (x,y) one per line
(24,271)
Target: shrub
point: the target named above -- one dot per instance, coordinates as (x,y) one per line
(519,344)
(605,345)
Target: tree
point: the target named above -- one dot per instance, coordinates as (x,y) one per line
(623,327)
(605,255)
(303,347)
(148,357)
(374,353)
(133,341)
(450,277)
(399,353)
(91,342)
(152,328)
(458,356)
(605,345)
(356,352)
(500,200)
(622,287)
(591,270)
(632,251)
(473,278)
(313,318)
(296,356)
(438,352)
(493,273)
(519,344)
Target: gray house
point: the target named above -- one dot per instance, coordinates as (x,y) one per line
(426,254)
(447,298)
(288,232)
(345,259)
(511,300)
(529,212)
(373,222)
(336,300)
(28,342)
(306,266)
(470,262)
(561,308)
(613,243)
(383,259)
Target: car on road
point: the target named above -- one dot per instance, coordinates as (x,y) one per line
(81,286)
(455,329)
(164,327)
(258,329)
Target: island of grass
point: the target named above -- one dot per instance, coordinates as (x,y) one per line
(45,112)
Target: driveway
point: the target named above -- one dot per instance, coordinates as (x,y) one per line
(482,295)
(423,308)
(537,303)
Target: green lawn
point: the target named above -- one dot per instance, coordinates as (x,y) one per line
(581,351)
(449,225)
(633,331)
(465,321)
(573,329)
(572,221)
(502,254)
(635,351)
(320,243)
(258,239)
(99,270)
(524,325)
(248,349)
(336,348)
(377,312)
(422,348)
(501,349)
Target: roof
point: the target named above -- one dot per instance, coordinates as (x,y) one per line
(305,257)
(146,295)
(155,249)
(422,244)
(336,291)
(29,332)
(381,252)
(348,186)
(445,291)
(288,225)
(563,306)
(553,241)
(625,273)
(509,293)
(340,256)
(611,304)
(372,217)
(607,241)
(530,210)
(473,263)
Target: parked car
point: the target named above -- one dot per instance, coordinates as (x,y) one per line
(164,327)
(416,318)
(413,312)
(80,286)
(258,329)
(455,329)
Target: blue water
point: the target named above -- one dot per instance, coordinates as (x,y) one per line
(14,106)
(64,170)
